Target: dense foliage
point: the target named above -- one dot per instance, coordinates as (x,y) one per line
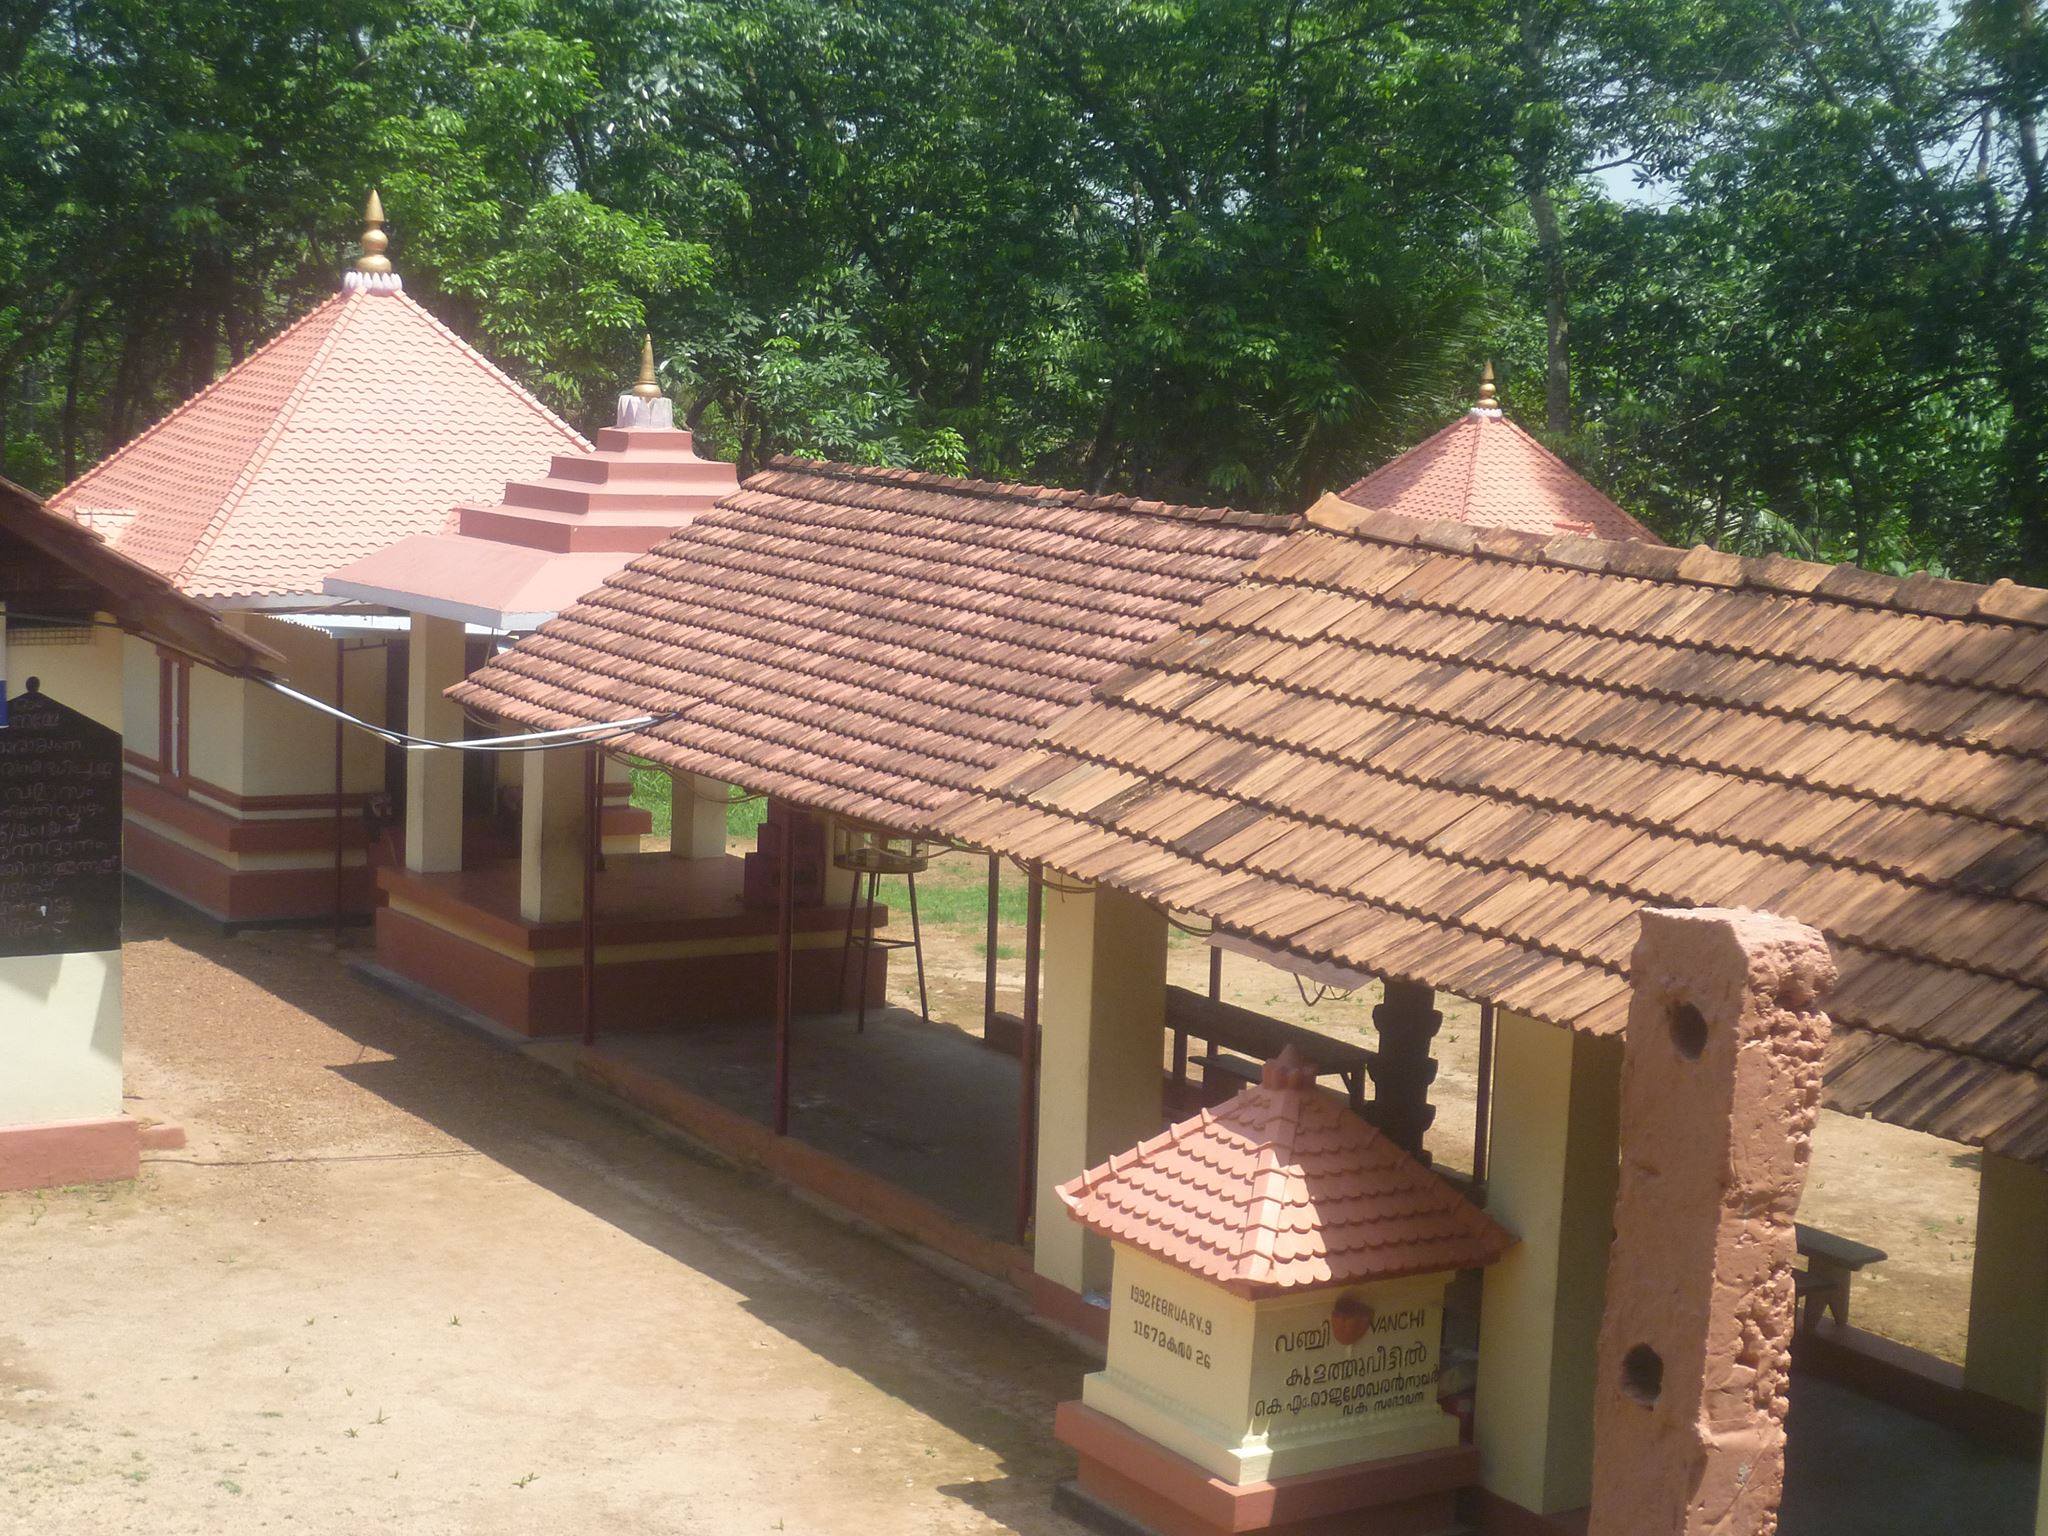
(1218,250)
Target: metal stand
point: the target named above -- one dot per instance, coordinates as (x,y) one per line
(874,862)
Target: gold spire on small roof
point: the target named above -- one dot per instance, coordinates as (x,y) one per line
(1488,404)
(646,386)
(375,242)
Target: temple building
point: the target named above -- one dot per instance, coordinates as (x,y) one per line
(362,423)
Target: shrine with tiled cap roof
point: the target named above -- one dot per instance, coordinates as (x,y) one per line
(362,423)
(1276,1319)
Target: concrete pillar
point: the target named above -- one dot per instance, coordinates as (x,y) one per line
(551,837)
(2009,1284)
(696,816)
(1102,1021)
(1552,1173)
(1402,1068)
(433,780)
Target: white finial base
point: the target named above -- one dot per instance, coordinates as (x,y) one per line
(638,411)
(372,282)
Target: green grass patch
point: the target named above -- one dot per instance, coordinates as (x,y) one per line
(650,794)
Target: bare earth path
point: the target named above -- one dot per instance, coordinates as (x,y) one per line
(404,1281)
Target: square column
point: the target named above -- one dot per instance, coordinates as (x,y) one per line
(696,816)
(2008,1340)
(1102,1020)
(551,816)
(1553,1171)
(433,780)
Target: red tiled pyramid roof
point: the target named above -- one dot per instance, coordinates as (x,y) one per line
(365,421)
(1485,471)
(1279,1188)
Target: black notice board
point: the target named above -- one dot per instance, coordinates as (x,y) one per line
(60,830)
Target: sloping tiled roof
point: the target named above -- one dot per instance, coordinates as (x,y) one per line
(1282,1187)
(363,422)
(1468,757)
(1485,471)
(870,641)
(53,567)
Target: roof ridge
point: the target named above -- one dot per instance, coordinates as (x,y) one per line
(1047,495)
(203,543)
(532,401)
(2002,601)
(189,403)
(1532,440)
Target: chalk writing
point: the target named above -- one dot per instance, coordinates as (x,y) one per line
(60,830)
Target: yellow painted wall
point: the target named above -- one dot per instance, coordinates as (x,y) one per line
(141,691)
(80,667)
(60,1037)
(284,747)
(1553,1170)
(217,706)
(2008,1341)
(1102,1016)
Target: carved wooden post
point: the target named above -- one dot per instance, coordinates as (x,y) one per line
(1720,1088)
(1402,1068)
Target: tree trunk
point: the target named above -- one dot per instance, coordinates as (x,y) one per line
(74,366)
(1557,376)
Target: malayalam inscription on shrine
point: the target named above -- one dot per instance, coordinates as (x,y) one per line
(60,830)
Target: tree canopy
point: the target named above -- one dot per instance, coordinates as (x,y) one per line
(1770,271)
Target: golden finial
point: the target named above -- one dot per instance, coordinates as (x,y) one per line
(646,386)
(375,242)
(1487,400)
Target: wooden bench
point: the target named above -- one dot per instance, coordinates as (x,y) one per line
(1258,1038)
(1822,1288)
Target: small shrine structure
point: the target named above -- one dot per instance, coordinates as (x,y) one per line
(363,422)
(1275,1322)
(481,905)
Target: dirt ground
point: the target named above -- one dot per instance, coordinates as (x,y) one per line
(1914,1196)
(403,1280)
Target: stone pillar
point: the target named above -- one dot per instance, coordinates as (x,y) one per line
(1402,1068)
(696,816)
(551,836)
(433,780)
(2009,1284)
(1552,1174)
(1720,1092)
(1102,1024)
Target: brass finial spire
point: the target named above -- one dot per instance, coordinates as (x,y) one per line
(646,386)
(375,241)
(1488,403)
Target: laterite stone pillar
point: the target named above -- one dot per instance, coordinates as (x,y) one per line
(1102,1021)
(1402,1068)
(1720,1090)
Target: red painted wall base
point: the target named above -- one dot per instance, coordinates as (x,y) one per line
(1411,1495)
(68,1152)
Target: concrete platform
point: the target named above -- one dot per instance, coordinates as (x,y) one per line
(921,1107)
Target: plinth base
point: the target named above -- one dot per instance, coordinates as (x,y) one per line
(61,1152)
(1163,1494)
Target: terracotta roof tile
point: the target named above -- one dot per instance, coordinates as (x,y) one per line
(1283,1187)
(872,641)
(1475,769)
(364,422)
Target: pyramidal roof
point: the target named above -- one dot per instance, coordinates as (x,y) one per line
(1279,1188)
(1485,471)
(365,421)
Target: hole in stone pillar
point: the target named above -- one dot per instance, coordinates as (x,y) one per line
(1688,1031)
(1642,1374)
